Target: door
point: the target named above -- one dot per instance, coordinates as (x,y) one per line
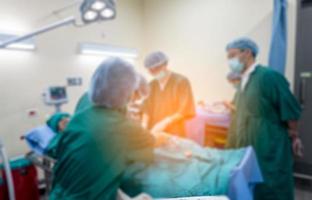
(303,84)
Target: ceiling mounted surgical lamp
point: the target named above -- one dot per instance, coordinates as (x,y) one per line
(90,11)
(97,10)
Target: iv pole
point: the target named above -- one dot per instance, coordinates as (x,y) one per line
(7,171)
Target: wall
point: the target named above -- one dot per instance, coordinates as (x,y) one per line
(194,34)
(24,75)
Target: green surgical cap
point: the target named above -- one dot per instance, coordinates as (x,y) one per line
(55,119)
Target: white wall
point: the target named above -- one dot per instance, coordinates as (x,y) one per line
(24,75)
(195,33)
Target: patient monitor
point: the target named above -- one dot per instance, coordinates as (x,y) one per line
(55,96)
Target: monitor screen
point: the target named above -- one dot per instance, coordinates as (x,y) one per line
(58,93)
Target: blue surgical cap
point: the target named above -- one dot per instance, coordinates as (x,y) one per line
(244,43)
(155,59)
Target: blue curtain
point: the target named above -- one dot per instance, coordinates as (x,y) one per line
(278,50)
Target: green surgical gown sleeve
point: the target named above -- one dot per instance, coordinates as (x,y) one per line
(276,87)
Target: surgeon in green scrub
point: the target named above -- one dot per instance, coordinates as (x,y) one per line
(100,142)
(83,102)
(170,102)
(267,115)
(57,123)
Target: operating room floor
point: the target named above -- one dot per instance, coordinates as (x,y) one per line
(303,190)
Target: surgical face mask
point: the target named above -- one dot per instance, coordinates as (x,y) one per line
(236,65)
(160,75)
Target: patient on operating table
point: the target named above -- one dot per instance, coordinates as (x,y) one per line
(182,168)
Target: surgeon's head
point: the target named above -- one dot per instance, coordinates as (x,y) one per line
(241,54)
(143,90)
(113,84)
(156,63)
(58,122)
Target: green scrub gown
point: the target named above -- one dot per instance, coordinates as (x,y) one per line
(83,103)
(93,153)
(176,97)
(263,110)
(232,127)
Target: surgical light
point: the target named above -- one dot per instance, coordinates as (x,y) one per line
(90,10)
(90,15)
(104,9)
(98,5)
(107,13)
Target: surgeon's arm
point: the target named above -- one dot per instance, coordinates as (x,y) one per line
(163,124)
(161,138)
(176,117)
(145,120)
(186,107)
(229,105)
(277,88)
(139,143)
(293,129)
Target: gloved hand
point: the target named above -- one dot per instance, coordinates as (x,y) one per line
(188,153)
(229,105)
(297,147)
(161,138)
(162,125)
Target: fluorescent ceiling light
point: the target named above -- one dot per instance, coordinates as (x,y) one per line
(28,44)
(107,50)
(22,46)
